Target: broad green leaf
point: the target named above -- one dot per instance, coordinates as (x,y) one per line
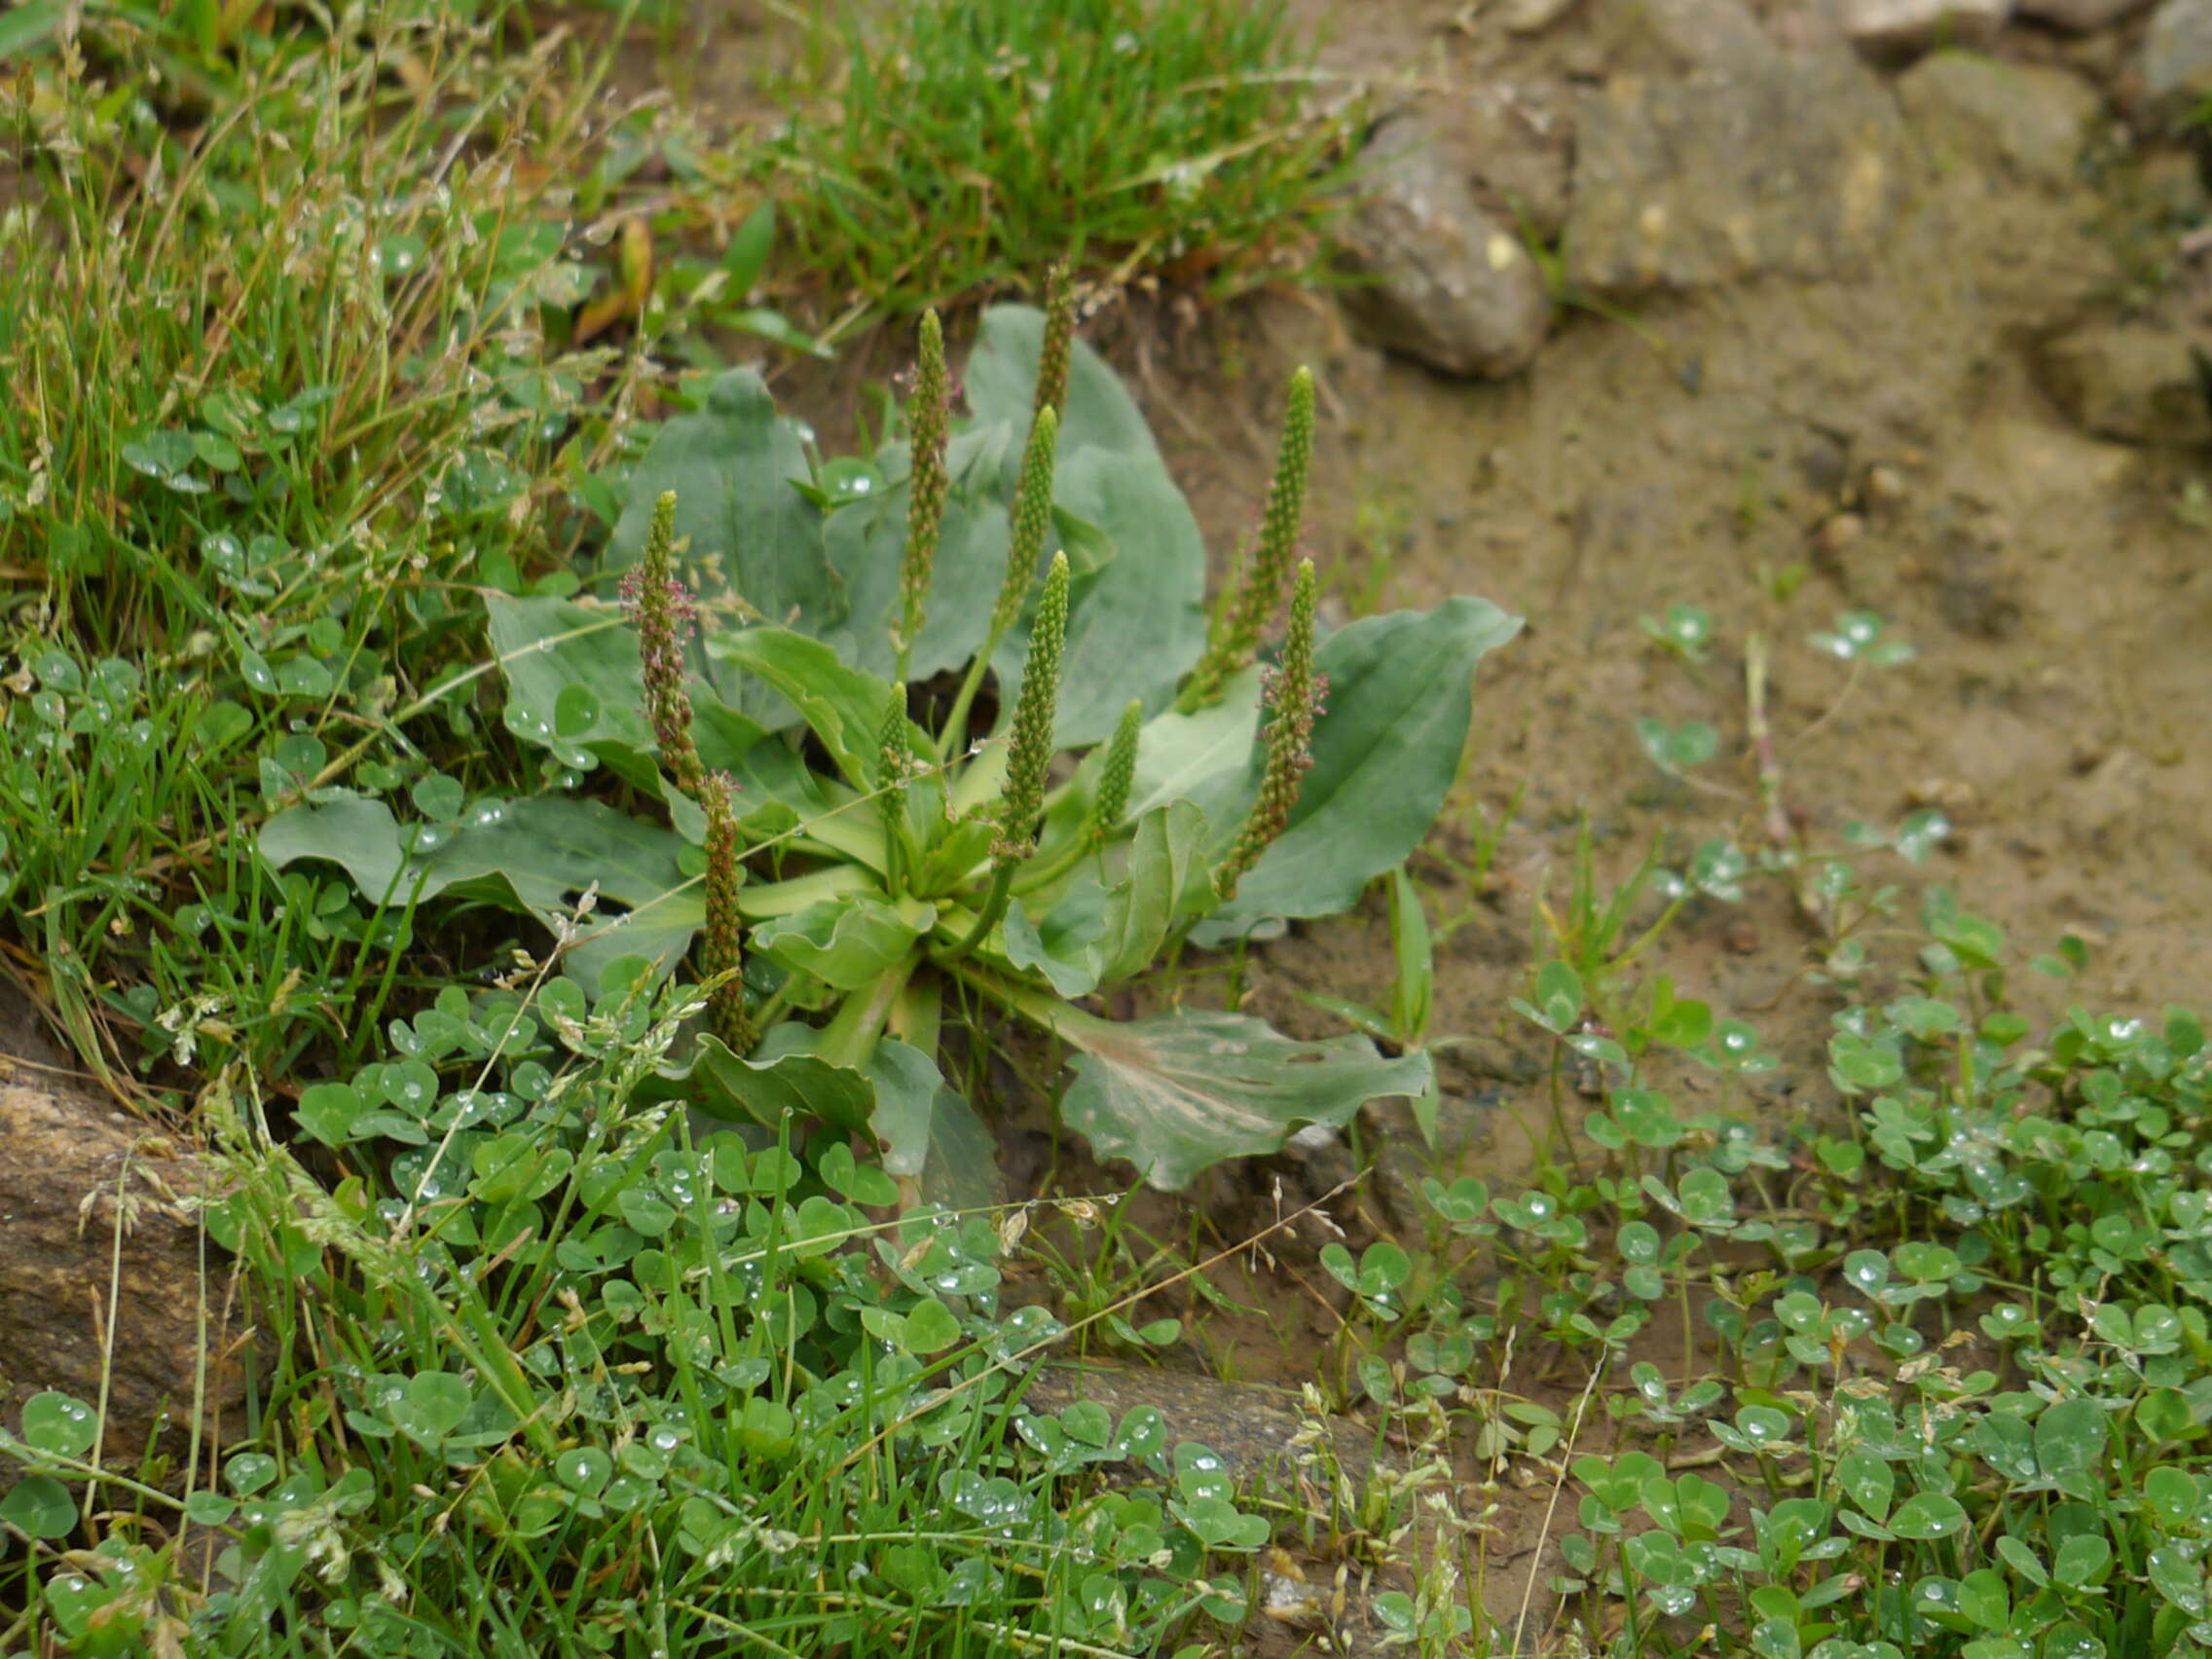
(40,1508)
(929,1134)
(432,1407)
(842,705)
(844,943)
(546,648)
(1385,756)
(2070,1441)
(360,834)
(1166,879)
(1060,948)
(540,856)
(866,541)
(1001,382)
(1207,757)
(767,1088)
(60,1424)
(735,466)
(1138,626)
(1177,1093)
(1098,936)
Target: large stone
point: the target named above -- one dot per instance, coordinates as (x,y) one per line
(101,1261)
(1720,175)
(2177,59)
(2082,17)
(1893,29)
(1445,280)
(1679,36)
(2000,118)
(1513,142)
(2142,382)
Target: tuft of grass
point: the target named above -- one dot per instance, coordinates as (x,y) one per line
(281,315)
(973,143)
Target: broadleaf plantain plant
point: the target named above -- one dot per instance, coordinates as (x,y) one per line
(801,689)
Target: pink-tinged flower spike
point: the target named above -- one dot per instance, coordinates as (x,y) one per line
(724,942)
(1059,344)
(662,606)
(1293,694)
(927,424)
(1234,638)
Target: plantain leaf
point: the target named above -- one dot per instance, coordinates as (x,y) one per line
(1138,625)
(844,706)
(573,680)
(539,854)
(1061,947)
(929,1134)
(1176,1093)
(744,527)
(781,1079)
(1384,756)
(867,536)
(845,942)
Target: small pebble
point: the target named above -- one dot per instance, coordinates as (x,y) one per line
(1840,533)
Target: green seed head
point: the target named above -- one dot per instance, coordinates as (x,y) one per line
(928,423)
(724,939)
(1032,520)
(1236,639)
(1294,694)
(1116,775)
(1031,757)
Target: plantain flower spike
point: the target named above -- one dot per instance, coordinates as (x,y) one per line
(929,421)
(1234,638)
(724,934)
(1059,344)
(897,767)
(1115,776)
(1032,520)
(1030,758)
(1295,694)
(661,606)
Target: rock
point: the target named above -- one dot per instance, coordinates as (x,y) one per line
(2137,382)
(1795,168)
(2177,60)
(1977,578)
(1534,17)
(1513,143)
(2082,17)
(2113,803)
(1894,29)
(1450,282)
(1993,117)
(74,1173)
(1679,36)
